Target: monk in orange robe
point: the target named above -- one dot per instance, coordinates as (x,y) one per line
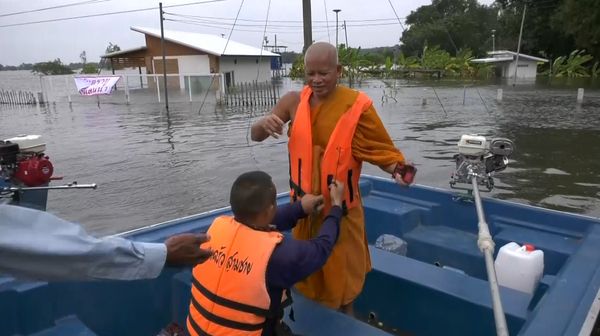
(342,278)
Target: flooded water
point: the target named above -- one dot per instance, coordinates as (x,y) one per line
(152,165)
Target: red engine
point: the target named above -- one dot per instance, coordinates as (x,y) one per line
(34,171)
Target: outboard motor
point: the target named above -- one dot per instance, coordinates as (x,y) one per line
(477,160)
(480,158)
(25,172)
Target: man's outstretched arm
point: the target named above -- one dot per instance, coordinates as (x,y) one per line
(38,245)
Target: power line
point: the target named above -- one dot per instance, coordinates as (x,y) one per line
(87,2)
(394,9)
(210,22)
(224,49)
(395,19)
(327,20)
(106,14)
(227,26)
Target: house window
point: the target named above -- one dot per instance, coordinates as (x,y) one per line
(523,65)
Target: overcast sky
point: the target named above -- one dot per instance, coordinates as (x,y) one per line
(369,24)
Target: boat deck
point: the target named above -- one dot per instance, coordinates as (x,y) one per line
(411,295)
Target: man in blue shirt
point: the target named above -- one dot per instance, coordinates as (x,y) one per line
(38,245)
(241,287)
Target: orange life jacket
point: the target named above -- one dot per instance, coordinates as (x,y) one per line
(229,293)
(338,161)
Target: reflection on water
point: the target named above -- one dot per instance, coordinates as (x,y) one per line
(153,166)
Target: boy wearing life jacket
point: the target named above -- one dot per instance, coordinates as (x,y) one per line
(243,288)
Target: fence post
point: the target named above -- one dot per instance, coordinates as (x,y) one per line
(157,87)
(190,87)
(126,89)
(499,95)
(579,95)
(52,89)
(67,88)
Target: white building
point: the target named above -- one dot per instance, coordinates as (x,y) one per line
(189,53)
(506,61)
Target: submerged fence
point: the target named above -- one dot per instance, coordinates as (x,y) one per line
(251,94)
(18,97)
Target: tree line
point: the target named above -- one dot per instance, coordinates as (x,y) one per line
(57,67)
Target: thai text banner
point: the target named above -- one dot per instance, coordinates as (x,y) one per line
(91,86)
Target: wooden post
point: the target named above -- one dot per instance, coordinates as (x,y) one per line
(126,89)
(499,95)
(579,95)
(67,88)
(190,87)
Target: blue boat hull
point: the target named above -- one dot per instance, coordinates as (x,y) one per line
(407,295)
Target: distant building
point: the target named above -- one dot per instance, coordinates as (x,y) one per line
(506,61)
(198,54)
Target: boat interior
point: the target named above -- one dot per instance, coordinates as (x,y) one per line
(439,287)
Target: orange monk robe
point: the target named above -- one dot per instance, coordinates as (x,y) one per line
(342,278)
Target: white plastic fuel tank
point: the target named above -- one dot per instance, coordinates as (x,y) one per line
(519,267)
(29,143)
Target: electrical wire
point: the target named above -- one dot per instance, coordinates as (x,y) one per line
(224,49)
(398,18)
(87,2)
(227,26)
(106,14)
(327,21)
(395,19)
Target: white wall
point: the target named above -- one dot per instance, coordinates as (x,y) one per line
(527,69)
(245,68)
(192,64)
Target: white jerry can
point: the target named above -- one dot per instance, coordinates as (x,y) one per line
(519,267)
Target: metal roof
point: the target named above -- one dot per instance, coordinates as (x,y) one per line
(492,60)
(514,54)
(210,44)
(121,52)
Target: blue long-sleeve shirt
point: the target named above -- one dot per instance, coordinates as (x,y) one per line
(38,245)
(292,259)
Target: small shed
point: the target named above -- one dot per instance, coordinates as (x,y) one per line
(506,61)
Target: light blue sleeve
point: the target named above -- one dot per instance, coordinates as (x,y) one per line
(38,245)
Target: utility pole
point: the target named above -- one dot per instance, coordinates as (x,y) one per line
(346,33)
(519,45)
(306,19)
(336,26)
(493,39)
(164,61)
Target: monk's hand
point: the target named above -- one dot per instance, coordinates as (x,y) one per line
(404,174)
(273,125)
(184,249)
(312,203)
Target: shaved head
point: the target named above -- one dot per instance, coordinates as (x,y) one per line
(321,69)
(323,52)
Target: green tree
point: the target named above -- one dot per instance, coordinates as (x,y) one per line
(451,24)
(297,70)
(543,31)
(572,65)
(110,49)
(55,67)
(581,20)
(89,68)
